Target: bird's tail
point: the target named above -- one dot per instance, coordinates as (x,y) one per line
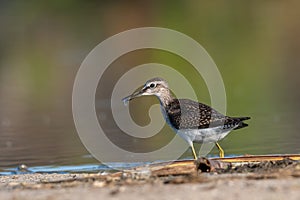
(242,124)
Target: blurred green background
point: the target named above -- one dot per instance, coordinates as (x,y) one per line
(255,44)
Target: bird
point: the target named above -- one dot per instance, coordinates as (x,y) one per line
(193,121)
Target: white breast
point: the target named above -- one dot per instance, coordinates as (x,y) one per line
(203,135)
(206,135)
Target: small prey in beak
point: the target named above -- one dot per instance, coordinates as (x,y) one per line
(139,92)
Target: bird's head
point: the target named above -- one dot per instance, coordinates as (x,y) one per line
(155,86)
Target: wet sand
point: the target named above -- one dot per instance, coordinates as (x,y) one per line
(259,181)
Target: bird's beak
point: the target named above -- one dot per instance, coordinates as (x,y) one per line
(139,92)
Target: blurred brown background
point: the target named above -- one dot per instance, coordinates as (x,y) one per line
(255,44)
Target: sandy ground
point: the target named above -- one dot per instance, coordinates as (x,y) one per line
(251,182)
(221,188)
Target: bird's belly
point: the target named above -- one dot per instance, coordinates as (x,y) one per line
(203,135)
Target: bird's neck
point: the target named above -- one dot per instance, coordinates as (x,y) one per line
(165,97)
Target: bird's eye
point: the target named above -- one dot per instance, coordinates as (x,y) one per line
(152,85)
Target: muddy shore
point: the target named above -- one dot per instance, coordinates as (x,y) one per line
(266,180)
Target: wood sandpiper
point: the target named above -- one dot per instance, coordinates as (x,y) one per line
(193,121)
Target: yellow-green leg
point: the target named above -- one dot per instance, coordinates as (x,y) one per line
(194,153)
(221,151)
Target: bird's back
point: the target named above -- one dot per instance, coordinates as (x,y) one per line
(188,114)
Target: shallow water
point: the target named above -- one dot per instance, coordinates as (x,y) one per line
(56,147)
(86,168)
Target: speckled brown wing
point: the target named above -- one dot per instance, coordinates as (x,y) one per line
(188,114)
